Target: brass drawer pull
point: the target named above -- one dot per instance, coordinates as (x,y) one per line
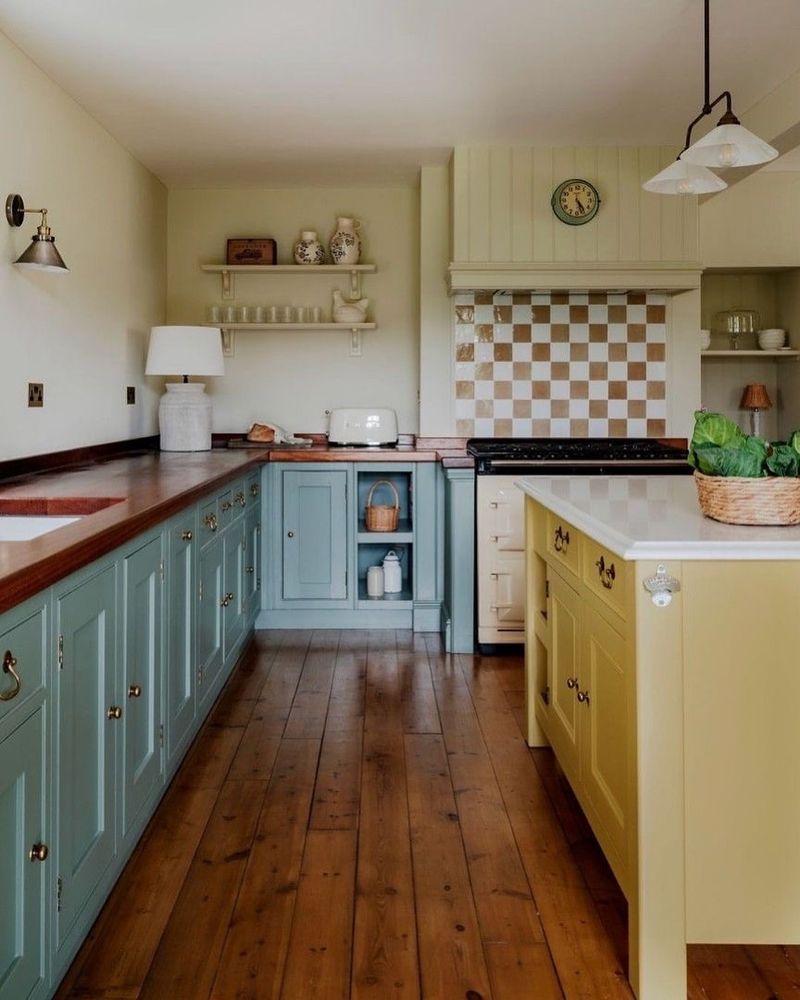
(254,490)
(39,852)
(239,498)
(210,521)
(134,691)
(225,506)
(9,662)
(572,683)
(607,573)
(561,539)
(114,712)
(583,696)
(186,536)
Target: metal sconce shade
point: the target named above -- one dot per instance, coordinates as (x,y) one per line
(729,145)
(41,255)
(684,178)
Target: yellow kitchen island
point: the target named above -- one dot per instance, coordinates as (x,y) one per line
(663,667)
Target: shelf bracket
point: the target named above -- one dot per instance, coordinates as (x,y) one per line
(355,343)
(355,286)
(228,284)
(228,342)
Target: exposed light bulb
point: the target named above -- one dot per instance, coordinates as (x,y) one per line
(728,155)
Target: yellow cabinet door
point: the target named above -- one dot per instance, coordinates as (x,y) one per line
(565,614)
(605,736)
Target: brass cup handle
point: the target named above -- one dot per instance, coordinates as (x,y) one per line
(560,539)
(210,521)
(607,573)
(572,683)
(583,696)
(9,663)
(239,498)
(225,506)
(39,852)
(254,490)
(134,691)
(186,536)
(114,712)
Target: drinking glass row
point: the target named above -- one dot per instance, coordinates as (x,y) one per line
(264,314)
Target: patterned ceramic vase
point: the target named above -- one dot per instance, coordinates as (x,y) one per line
(345,245)
(308,249)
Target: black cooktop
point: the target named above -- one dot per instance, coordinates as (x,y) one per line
(585,455)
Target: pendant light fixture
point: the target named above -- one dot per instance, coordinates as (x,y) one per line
(730,144)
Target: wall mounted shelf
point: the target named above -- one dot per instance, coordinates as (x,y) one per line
(229,272)
(750,354)
(229,332)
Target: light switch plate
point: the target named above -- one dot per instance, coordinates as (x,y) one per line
(36,394)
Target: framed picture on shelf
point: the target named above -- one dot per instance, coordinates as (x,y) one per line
(257,250)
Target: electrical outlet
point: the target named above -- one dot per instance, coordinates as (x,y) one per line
(35,393)
(131,395)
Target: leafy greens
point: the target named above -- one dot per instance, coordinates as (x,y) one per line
(720,448)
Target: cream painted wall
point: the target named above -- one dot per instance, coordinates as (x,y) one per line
(436,403)
(83,334)
(292,377)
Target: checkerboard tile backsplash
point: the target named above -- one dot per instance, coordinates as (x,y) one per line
(577,364)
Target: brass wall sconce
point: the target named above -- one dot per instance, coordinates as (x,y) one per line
(41,254)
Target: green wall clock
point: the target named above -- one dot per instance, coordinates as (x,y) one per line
(575,201)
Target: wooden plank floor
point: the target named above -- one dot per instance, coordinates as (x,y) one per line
(361,818)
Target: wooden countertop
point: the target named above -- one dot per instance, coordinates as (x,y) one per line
(150,489)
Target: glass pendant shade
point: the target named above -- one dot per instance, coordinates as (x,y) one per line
(43,256)
(729,146)
(684,178)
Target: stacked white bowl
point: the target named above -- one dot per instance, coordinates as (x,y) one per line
(772,339)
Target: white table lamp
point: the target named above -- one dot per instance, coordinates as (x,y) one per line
(184,413)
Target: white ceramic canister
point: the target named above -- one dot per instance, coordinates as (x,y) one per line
(375,581)
(705,340)
(345,244)
(308,249)
(392,576)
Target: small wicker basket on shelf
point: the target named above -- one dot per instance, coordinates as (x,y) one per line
(381,517)
(738,500)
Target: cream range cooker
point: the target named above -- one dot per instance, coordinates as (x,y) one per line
(499,509)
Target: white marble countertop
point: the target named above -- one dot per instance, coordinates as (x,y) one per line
(655,517)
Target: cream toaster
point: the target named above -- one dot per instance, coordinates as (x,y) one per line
(363,425)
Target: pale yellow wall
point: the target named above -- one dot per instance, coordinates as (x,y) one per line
(755,223)
(83,334)
(292,377)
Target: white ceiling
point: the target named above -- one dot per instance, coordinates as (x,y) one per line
(243,92)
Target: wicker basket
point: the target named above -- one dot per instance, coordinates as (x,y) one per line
(380,517)
(738,500)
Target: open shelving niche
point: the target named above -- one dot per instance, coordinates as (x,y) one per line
(372,546)
(228,274)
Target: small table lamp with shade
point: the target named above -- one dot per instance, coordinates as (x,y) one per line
(184,413)
(755,399)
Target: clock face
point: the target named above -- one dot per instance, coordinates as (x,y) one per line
(575,201)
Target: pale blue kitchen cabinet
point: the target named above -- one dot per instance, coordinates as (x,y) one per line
(458,610)
(142,603)
(181,583)
(314,534)
(88,719)
(252,548)
(211,568)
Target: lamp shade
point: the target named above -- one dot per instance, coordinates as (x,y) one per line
(684,178)
(755,397)
(729,146)
(43,256)
(185,350)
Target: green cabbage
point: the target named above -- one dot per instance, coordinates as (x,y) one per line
(794,441)
(716,429)
(747,460)
(784,460)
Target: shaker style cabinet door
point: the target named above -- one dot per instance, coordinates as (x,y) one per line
(89,717)
(180,645)
(565,613)
(314,534)
(24,859)
(252,562)
(233,585)
(142,609)
(209,616)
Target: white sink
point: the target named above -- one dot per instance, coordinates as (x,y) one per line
(23,528)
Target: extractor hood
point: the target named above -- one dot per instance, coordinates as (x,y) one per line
(466,276)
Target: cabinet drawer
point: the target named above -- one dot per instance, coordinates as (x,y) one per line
(605,574)
(231,503)
(22,658)
(564,543)
(209,520)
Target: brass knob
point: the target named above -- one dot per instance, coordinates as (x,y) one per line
(249,569)
(38,852)
(583,696)
(224,602)
(254,490)
(239,498)
(114,712)
(186,536)
(9,663)
(572,682)
(290,534)
(210,521)
(229,597)
(134,691)
(225,506)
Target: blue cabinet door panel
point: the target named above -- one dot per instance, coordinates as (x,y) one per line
(180,687)
(21,826)
(315,535)
(209,616)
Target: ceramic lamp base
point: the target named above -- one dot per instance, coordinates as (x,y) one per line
(184,417)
